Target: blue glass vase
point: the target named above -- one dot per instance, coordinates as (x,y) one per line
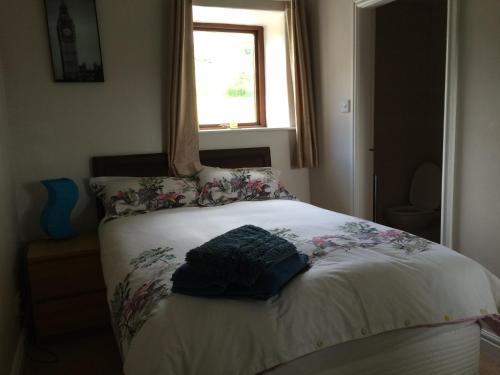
(56,215)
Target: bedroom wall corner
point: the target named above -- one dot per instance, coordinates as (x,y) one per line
(331,36)
(9,323)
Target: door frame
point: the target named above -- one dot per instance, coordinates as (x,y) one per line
(363,113)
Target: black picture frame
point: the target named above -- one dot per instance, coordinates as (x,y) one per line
(74,40)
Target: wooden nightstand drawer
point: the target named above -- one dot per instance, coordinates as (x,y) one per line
(66,277)
(66,285)
(71,314)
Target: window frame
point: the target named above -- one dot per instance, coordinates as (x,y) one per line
(260,81)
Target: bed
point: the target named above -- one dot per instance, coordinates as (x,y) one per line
(376,300)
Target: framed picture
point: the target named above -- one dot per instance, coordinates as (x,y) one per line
(74,40)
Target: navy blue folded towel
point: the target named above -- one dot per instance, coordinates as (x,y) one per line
(240,256)
(188,281)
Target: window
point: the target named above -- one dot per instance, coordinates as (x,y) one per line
(230,84)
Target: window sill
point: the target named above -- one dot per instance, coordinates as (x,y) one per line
(243,130)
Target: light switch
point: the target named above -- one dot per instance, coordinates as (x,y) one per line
(345,106)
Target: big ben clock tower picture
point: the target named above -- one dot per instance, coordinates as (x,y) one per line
(74,40)
(67,43)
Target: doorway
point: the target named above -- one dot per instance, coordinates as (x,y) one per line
(404,111)
(410,62)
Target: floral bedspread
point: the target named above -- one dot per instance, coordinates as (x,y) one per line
(365,279)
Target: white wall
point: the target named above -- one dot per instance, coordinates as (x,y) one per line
(331,24)
(58,127)
(9,326)
(243,4)
(477,224)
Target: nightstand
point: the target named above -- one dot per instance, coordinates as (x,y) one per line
(66,285)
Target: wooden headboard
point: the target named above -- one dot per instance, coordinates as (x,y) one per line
(148,165)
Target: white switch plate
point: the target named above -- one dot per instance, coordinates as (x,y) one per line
(345,106)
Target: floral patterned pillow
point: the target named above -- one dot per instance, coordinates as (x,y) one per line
(97,184)
(283,193)
(124,196)
(221,186)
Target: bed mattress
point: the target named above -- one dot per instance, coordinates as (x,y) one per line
(447,350)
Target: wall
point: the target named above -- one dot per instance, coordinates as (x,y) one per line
(9,330)
(477,207)
(243,4)
(410,57)
(331,38)
(58,127)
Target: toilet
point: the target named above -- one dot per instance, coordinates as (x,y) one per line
(425,201)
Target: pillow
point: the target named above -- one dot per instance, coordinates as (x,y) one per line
(220,186)
(283,193)
(97,184)
(124,196)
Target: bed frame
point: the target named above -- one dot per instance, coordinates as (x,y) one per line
(149,165)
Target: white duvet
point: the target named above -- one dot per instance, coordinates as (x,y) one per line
(365,279)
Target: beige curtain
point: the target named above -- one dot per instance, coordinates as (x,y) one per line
(182,121)
(306,145)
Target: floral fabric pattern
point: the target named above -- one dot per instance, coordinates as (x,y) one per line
(365,279)
(98,184)
(136,298)
(356,235)
(283,193)
(221,186)
(144,194)
(363,235)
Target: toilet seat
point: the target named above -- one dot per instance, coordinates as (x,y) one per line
(425,200)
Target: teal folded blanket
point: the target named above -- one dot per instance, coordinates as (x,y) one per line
(241,255)
(270,283)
